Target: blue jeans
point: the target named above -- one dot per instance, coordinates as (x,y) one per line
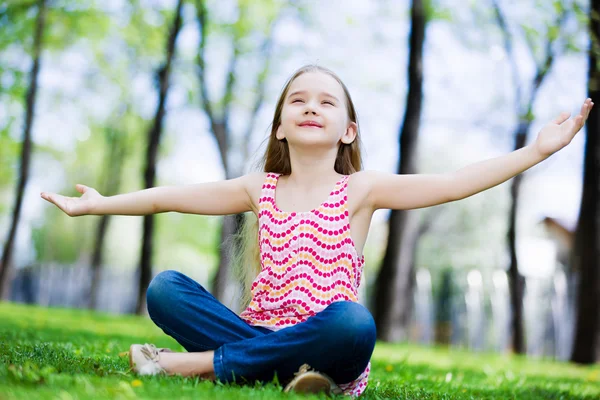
(338,341)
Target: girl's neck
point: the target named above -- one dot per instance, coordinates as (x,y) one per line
(312,169)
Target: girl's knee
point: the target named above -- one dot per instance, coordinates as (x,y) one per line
(353,322)
(161,289)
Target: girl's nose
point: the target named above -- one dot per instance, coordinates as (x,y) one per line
(310,109)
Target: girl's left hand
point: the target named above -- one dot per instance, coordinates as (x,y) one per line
(558,133)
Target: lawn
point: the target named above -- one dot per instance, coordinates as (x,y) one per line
(75,354)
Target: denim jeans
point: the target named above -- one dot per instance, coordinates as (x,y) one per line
(337,341)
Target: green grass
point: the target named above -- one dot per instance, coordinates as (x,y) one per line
(75,354)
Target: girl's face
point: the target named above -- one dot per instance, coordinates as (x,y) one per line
(315,112)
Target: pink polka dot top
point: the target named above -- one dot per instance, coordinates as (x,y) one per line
(308,261)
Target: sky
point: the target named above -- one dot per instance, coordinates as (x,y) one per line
(366,44)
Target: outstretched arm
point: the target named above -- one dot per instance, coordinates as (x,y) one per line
(211,198)
(423,190)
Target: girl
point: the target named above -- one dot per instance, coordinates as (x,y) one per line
(314,207)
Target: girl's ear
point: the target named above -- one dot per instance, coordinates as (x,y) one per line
(279,134)
(350,134)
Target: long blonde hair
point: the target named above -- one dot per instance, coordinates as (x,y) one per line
(246,253)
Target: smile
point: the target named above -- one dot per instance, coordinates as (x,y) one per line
(311,124)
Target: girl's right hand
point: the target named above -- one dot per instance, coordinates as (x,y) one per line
(75,206)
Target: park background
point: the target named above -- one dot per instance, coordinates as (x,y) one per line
(122,95)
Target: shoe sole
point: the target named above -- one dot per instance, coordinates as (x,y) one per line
(310,383)
(161,350)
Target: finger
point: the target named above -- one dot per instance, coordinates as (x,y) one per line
(562,117)
(583,114)
(589,104)
(81,188)
(46,196)
(55,199)
(51,198)
(585,108)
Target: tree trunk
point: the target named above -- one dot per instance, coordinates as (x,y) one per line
(224,282)
(154,135)
(5,264)
(101,230)
(393,299)
(515,279)
(516,282)
(586,255)
(113,165)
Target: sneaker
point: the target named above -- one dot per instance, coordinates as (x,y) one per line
(307,381)
(143,359)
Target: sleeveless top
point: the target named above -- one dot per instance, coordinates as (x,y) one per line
(308,261)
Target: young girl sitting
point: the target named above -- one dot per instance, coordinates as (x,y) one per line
(314,206)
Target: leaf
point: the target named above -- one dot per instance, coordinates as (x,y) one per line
(553,32)
(558,6)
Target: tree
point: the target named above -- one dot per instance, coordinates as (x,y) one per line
(586,253)
(524,101)
(219,112)
(395,280)
(134,43)
(66,25)
(5,263)
(117,149)
(154,136)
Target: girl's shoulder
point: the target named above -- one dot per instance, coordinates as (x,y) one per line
(360,180)
(359,187)
(254,182)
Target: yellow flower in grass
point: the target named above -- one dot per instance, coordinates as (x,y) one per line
(593,376)
(389,368)
(136,383)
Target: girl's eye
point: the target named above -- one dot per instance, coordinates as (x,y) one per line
(297,100)
(328,102)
